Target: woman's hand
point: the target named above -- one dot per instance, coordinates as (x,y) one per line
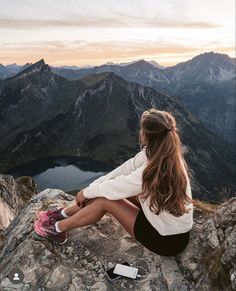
(80,199)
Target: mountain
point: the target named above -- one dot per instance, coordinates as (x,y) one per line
(21,98)
(25,66)
(206,85)
(9,70)
(207,263)
(70,67)
(154,63)
(207,67)
(43,114)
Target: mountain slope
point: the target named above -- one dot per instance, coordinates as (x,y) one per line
(28,98)
(98,117)
(205,83)
(9,70)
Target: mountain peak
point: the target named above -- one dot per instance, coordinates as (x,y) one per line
(212,56)
(142,63)
(155,64)
(30,68)
(39,63)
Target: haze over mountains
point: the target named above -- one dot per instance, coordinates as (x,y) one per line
(97,116)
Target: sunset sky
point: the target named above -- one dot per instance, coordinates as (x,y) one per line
(93,32)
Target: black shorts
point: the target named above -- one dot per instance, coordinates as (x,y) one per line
(149,237)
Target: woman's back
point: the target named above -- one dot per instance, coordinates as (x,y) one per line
(165,222)
(126,181)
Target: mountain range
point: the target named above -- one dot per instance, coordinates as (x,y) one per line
(13,69)
(43,114)
(205,84)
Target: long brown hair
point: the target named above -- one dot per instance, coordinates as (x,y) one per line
(164,178)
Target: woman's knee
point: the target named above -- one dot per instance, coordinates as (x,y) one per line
(100,201)
(91,201)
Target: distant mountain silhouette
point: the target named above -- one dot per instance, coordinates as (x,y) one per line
(9,70)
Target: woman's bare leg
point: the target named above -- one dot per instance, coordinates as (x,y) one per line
(134,200)
(123,210)
(72,209)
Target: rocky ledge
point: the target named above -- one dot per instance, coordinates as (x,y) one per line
(207,263)
(14,194)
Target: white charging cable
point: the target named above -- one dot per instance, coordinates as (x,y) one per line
(146,270)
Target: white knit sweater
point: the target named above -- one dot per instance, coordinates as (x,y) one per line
(126,181)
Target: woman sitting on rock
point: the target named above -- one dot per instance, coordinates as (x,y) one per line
(149,194)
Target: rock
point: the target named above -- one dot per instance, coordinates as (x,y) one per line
(70,251)
(59,278)
(110,265)
(173,276)
(99,286)
(6,214)
(13,196)
(25,188)
(76,258)
(233,280)
(87,253)
(80,264)
(101,276)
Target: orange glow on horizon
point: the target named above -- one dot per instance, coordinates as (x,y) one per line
(100,54)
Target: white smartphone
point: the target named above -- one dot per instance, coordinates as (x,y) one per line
(126,271)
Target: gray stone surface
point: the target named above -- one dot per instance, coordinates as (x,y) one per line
(207,263)
(13,196)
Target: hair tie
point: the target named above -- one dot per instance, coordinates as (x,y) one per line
(170,129)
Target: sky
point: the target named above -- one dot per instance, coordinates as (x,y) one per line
(93,32)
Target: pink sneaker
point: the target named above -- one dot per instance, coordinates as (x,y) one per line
(53,215)
(47,230)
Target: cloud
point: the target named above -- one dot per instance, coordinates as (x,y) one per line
(103,22)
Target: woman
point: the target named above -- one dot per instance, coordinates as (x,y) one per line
(149,194)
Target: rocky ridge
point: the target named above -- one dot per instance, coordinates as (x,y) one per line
(14,193)
(207,263)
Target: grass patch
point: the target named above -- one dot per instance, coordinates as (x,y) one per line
(217,273)
(205,207)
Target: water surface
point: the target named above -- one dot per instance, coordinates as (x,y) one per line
(65,173)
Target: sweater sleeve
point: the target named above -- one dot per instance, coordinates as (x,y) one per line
(124,169)
(120,187)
